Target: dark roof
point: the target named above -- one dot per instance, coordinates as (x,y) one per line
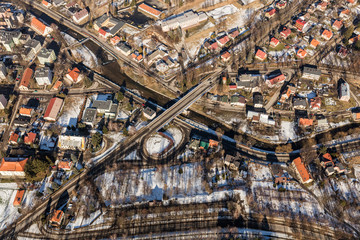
(89,115)
(258,98)
(99,104)
(149,111)
(312,70)
(299,102)
(101,20)
(114,30)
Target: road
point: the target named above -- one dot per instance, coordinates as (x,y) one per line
(118,152)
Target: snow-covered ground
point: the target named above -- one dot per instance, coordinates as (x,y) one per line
(47,143)
(259,172)
(333,59)
(8,213)
(88,58)
(288,130)
(156,144)
(80,221)
(223,11)
(71,111)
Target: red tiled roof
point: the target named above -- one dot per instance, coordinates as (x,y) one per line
(30,138)
(14,137)
(66,165)
(234,34)
(300,24)
(115,40)
(25,111)
(327,34)
(57,216)
(80,14)
(38,25)
(18,198)
(12,165)
(274,41)
(314,42)
(74,74)
(25,80)
(286,32)
(261,54)
(53,108)
(224,39)
(214,46)
(277,79)
(337,24)
(315,102)
(305,122)
(102,32)
(45,3)
(57,85)
(271,12)
(304,174)
(301,53)
(327,156)
(149,9)
(226,55)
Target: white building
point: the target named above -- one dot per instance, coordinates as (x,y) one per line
(43,76)
(3,71)
(184,20)
(3,101)
(46,56)
(71,142)
(344,91)
(311,73)
(80,16)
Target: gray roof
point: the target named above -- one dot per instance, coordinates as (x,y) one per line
(123,47)
(101,20)
(45,53)
(89,115)
(258,98)
(100,104)
(114,30)
(32,43)
(113,108)
(299,102)
(42,72)
(311,70)
(149,111)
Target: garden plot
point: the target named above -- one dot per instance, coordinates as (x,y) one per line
(71,111)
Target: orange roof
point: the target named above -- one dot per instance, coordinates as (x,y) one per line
(323,5)
(57,85)
(301,53)
(25,80)
(274,41)
(30,138)
(314,42)
(115,40)
(327,156)
(337,24)
(57,216)
(305,122)
(213,143)
(351,1)
(66,165)
(214,46)
(224,39)
(25,111)
(18,198)
(304,174)
(102,32)
(357,115)
(277,79)
(13,164)
(345,11)
(139,57)
(74,74)
(149,9)
(14,137)
(271,12)
(285,32)
(226,55)
(45,3)
(261,54)
(327,34)
(38,25)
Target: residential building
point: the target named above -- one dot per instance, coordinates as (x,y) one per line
(123,48)
(53,109)
(345,14)
(74,75)
(315,103)
(46,3)
(19,197)
(301,25)
(103,33)
(46,56)
(326,34)
(13,167)
(3,101)
(184,20)
(30,138)
(272,81)
(8,44)
(301,53)
(31,47)
(108,108)
(337,25)
(270,13)
(339,168)
(322,6)
(222,40)
(115,40)
(261,55)
(233,34)
(311,73)
(89,116)
(3,70)
(281,4)
(305,122)
(247,81)
(258,100)
(26,112)
(226,57)
(25,80)
(314,43)
(344,90)
(14,138)
(80,16)
(65,165)
(342,52)
(301,171)
(56,218)
(58,84)
(274,42)
(266,119)
(71,142)
(147,9)
(149,113)
(43,76)
(285,33)
(137,57)
(40,27)
(299,103)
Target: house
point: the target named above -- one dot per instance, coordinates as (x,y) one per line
(322,6)
(74,75)
(43,76)
(281,4)
(115,40)
(25,80)
(46,3)
(65,165)
(314,43)
(226,57)
(305,122)
(261,55)
(19,197)
(80,16)
(315,103)
(214,46)
(222,40)
(8,44)
(339,168)
(285,32)
(288,92)
(58,3)
(311,73)
(14,138)
(66,142)
(329,171)
(326,34)
(27,112)
(342,52)
(57,85)
(30,138)
(354,39)
(272,81)
(31,48)
(184,20)
(301,25)
(343,90)
(274,42)
(322,123)
(103,33)
(337,25)
(40,27)
(258,100)
(299,103)
(301,171)
(3,70)
(237,100)
(247,81)
(266,119)
(3,101)
(56,218)
(233,34)
(147,9)
(326,161)
(301,53)
(108,108)
(46,56)
(351,2)
(53,109)
(149,113)
(89,116)
(13,167)
(345,14)
(123,48)
(137,56)
(270,13)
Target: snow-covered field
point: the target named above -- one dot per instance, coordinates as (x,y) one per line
(80,221)
(223,11)
(88,58)
(71,111)
(156,144)
(288,130)
(259,172)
